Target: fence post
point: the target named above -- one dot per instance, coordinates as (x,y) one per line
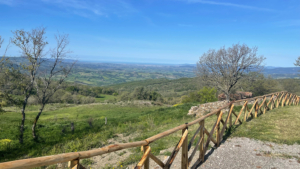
(272,101)
(283,100)
(201,154)
(218,131)
(73,163)
(146,164)
(245,111)
(185,155)
(230,118)
(256,109)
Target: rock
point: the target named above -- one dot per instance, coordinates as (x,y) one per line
(203,109)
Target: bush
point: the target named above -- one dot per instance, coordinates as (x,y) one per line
(125,96)
(205,95)
(67,98)
(191,97)
(87,100)
(208,94)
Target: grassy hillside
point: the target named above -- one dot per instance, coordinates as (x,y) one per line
(55,135)
(137,121)
(169,89)
(54,127)
(104,74)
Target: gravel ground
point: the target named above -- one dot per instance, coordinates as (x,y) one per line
(245,153)
(234,153)
(249,153)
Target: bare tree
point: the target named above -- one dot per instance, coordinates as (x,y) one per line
(32,45)
(3,59)
(47,83)
(1,41)
(297,63)
(8,75)
(225,67)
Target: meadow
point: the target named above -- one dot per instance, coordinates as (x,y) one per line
(55,135)
(54,127)
(136,121)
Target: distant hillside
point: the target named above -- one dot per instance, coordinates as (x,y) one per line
(168,88)
(282,72)
(106,74)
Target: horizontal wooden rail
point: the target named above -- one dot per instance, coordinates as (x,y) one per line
(276,99)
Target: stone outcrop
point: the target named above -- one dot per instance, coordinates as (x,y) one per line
(206,108)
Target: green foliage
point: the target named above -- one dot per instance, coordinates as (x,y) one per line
(171,90)
(259,85)
(72,89)
(140,93)
(290,85)
(205,95)
(208,94)
(191,97)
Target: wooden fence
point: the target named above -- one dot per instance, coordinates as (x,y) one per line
(259,106)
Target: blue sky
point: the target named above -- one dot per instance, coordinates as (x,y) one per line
(160,31)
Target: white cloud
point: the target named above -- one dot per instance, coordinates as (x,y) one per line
(8,2)
(96,7)
(227,4)
(83,7)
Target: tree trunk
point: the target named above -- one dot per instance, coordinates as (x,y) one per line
(23,121)
(36,120)
(227,96)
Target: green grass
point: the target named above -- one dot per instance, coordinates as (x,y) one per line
(143,121)
(140,122)
(105,97)
(280,125)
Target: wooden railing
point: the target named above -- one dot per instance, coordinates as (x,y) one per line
(259,106)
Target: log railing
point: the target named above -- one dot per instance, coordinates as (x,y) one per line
(260,105)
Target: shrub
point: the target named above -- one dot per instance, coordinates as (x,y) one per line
(208,94)
(205,95)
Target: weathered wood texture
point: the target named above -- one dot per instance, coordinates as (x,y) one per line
(176,149)
(276,99)
(144,159)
